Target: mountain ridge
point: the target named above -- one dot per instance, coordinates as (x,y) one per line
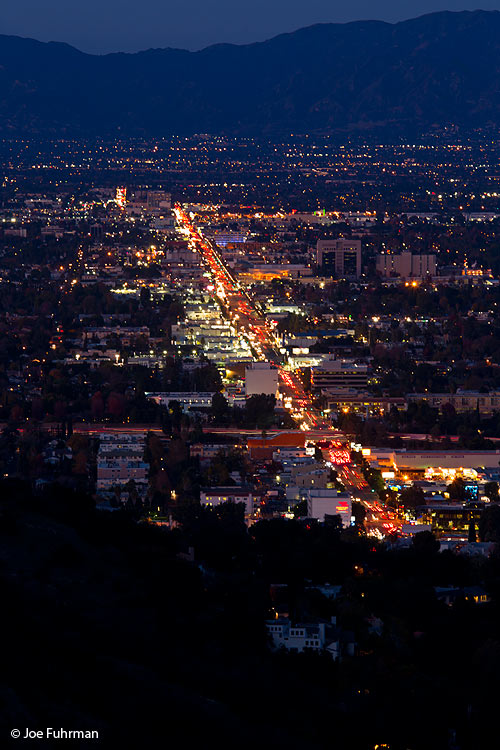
(365,75)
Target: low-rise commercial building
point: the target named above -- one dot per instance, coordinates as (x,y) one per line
(339,373)
(363,404)
(452,519)
(329,502)
(314,475)
(418,461)
(188,400)
(484,403)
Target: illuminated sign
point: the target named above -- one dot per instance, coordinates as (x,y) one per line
(121,197)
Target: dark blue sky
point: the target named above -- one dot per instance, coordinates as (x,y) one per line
(130,25)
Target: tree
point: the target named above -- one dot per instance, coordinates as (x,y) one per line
(59,410)
(115,405)
(489,524)
(218,473)
(306,379)
(491,491)
(359,513)
(425,543)
(374,479)
(412,496)
(80,463)
(300,509)
(97,405)
(161,482)
(457,490)
(16,413)
(175,410)
(472,531)
(37,410)
(133,495)
(259,410)
(448,411)
(145,296)
(220,408)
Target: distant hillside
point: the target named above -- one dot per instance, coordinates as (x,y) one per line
(437,69)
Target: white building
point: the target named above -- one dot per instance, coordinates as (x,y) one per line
(329,502)
(298,637)
(188,400)
(218,495)
(261,377)
(406,265)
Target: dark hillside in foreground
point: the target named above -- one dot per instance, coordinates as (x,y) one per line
(106,629)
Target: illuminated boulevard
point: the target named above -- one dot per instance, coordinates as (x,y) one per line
(244,315)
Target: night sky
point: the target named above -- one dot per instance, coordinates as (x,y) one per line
(129,25)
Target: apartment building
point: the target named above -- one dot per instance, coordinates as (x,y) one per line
(121,459)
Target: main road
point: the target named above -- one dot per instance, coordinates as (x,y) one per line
(248,319)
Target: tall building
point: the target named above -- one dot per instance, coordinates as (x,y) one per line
(340,258)
(406,265)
